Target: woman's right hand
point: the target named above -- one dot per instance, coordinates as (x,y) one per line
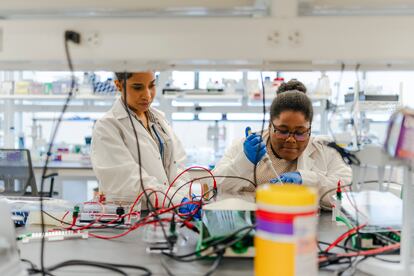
(254,148)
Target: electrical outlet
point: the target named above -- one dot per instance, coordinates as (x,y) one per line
(295,38)
(92,39)
(274,38)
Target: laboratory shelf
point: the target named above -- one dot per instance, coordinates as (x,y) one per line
(200,99)
(268,100)
(371,106)
(223,104)
(57,97)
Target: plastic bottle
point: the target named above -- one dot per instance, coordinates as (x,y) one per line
(210,85)
(21,140)
(323,87)
(277,82)
(285,239)
(268,87)
(229,86)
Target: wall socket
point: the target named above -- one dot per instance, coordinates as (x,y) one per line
(295,38)
(92,39)
(274,38)
(292,38)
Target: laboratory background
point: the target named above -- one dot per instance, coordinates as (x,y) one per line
(217,68)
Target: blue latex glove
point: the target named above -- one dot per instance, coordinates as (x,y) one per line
(254,148)
(189,209)
(289,177)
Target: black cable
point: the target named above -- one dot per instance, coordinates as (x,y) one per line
(339,246)
(55,218)
(319,247)
(228,242)
(86,263)
(341,272)
(32,265)
(169,272)
(213,190)
(154,192)
(34,269)
(74,37)
(354,265)
(387,261)
(210,272)
(194,212)
(38,271)
(333,259)
(111,266)
(324,265)
(346,241)
(348,157)
(263,126)
(216,264)
(136,267)
(208,255)
(140,160)
(347,185)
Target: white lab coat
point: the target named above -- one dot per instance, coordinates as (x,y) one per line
(114,157)
(319,165)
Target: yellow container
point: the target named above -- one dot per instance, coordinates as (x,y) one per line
(285,240)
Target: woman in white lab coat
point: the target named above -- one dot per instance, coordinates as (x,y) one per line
(295,155)
(114,148)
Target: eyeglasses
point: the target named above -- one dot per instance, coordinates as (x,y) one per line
(299,136)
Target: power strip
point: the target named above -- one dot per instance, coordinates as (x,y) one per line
(54,236)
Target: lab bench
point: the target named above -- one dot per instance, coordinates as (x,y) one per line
(131,249)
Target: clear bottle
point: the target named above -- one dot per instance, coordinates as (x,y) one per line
(323,87)
(268,87)
(210,85)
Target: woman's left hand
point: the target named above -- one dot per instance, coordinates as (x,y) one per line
(289,177)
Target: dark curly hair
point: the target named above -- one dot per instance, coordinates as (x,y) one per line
(293,84)
(294,100)
(121,75)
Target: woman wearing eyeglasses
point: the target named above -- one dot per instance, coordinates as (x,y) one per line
(295,155)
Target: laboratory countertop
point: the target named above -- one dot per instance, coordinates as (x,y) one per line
(131,249)
(86,165)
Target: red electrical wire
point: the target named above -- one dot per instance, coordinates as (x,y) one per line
(70,227)
(140,196)
(186,170)
(101,215)
(128,231)
(135,226)
(375,251)
(343,236)
(63,218)
(145,221)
